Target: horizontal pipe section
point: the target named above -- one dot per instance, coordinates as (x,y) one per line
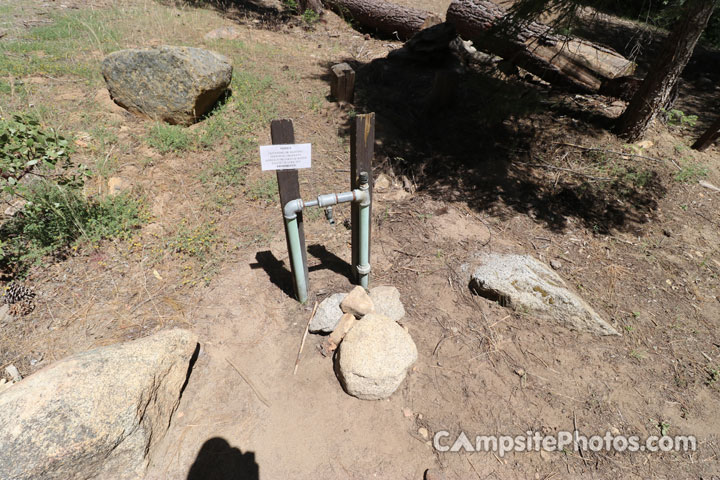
(293,207)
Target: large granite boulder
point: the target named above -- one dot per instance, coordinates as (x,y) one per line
(374,357)
(174,84)
(526,284)
(97,414)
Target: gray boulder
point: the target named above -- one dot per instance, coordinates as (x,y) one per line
(97,414)
(174,84)
(328,314)
(374,357)
(387,302)
(523,283)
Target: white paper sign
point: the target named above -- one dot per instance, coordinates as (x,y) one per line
(285,157)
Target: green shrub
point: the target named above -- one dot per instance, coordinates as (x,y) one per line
(26,147)
(56,216)
(690,172)
(678,118)
(36,168)
(310,16)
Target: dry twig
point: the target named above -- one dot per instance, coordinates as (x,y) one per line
(302,343)
(250,384)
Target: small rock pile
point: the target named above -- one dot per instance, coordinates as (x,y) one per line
(374,352)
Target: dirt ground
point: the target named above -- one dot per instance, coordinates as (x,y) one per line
(513,166)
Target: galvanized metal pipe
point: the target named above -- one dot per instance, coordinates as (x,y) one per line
(363,267)
(293,207)
(296,258)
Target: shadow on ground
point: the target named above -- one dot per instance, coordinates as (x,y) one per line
(217,460)
(280,275)
(485,144)
(269,15)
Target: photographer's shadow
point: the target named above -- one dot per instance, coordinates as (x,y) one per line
(217,460)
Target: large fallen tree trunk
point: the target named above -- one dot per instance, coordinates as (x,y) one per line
(385,17)
(572,63)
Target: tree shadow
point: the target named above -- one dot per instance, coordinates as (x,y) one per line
(482,147)
(268,16)
(217,460)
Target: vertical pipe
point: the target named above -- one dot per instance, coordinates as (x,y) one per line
(296,258)
(363,237)
(364,247)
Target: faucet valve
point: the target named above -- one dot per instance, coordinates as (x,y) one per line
(329,215)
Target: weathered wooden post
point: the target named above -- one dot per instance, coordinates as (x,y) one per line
(282,133)
(342,82)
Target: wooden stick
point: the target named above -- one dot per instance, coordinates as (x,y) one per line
(302,343)
(250,384)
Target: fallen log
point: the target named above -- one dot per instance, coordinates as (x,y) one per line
(568,62)
(385,17)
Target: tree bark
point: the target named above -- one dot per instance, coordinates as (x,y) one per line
(575,64)
(314,5)
(709,137)
(385,17)
(657,87)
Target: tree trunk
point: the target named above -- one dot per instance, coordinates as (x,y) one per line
(709,137)
(657,87)
(572,63)
(385,17)
(314,5)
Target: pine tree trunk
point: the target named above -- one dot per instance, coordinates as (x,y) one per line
(314,5)
(385,17)
(709,137)
(663,75)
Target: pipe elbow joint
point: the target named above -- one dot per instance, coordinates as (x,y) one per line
(291,208)
(362,196)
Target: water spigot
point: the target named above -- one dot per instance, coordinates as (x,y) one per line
(329,215)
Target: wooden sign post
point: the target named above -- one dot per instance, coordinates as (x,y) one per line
(282,133)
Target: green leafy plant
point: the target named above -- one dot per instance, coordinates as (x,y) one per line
(35,166)
(291,6)
(691,172)
(54,217)
(310,16)
(678,118)
(26,147)
(194,241)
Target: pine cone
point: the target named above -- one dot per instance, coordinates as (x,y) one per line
(22,308)
(16,292)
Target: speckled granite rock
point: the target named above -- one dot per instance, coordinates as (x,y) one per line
(174,84)
(97,414)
